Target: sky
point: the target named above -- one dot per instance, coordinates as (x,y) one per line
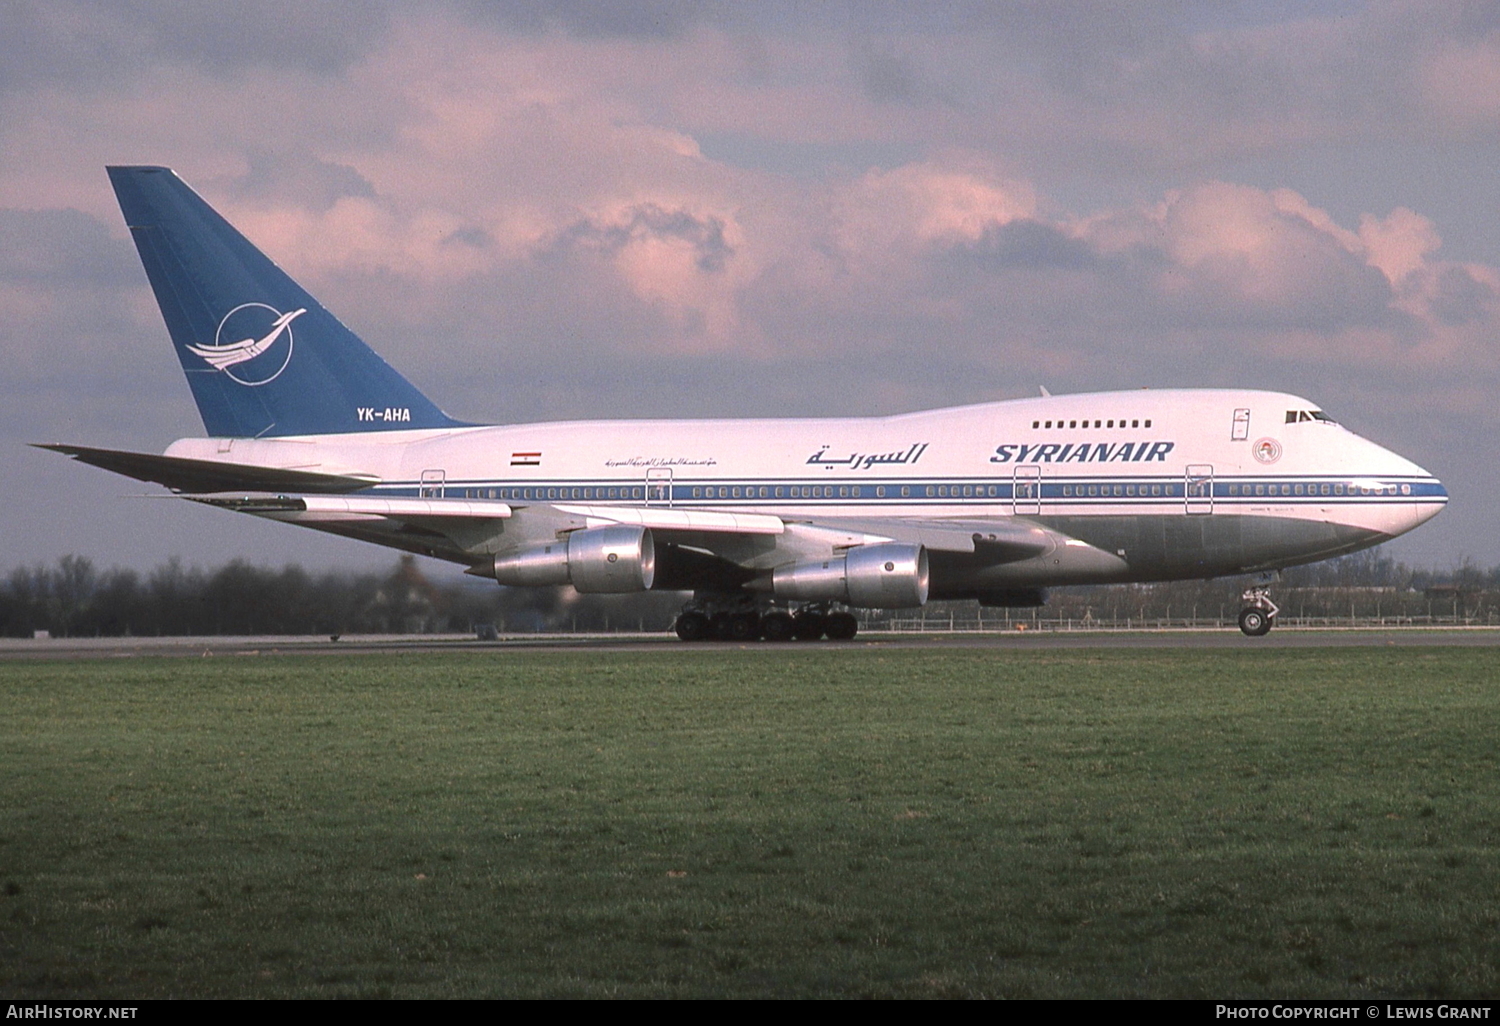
(569,210)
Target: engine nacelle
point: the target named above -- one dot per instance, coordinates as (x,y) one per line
(601,560)
(885,576)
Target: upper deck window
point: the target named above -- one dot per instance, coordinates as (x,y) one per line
(1122,422)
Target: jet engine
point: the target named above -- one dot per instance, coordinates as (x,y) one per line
(601,560)
(885,576)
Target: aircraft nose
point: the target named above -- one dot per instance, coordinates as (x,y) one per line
(1429,497)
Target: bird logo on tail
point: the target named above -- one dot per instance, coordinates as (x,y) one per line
(249,320)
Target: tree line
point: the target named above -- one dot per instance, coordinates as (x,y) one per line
(74,598)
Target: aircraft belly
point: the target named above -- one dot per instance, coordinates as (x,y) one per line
(1173,546)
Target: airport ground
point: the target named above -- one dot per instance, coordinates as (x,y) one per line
(1218,637)
(1200,816)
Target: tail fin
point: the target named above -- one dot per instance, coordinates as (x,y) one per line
(262,357)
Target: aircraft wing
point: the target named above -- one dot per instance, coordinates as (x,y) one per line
(995,541)
(308,509)
(463,530)
(1006,540)
(669,520)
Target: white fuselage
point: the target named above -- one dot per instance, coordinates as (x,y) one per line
(1148,452)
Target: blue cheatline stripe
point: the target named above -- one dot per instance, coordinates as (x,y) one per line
(1079,491)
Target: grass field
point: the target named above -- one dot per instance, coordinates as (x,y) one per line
(740,823)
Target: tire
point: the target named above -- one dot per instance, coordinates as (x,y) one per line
(808,626)
(778,625)
(692,626)
(1254,622)
(841,626)
(742,627)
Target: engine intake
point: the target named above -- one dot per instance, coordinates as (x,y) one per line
(885,576)
(601,560)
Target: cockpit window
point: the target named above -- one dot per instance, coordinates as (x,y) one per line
(1299,416)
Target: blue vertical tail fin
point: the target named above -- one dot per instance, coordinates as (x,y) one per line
(262,357)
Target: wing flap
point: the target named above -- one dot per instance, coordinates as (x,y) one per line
(1006,540)
(661,519)
(332,508)
(405,509)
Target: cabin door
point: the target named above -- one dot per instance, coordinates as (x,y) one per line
(432,484)
(1026,491)
(1198,488)
(659,486)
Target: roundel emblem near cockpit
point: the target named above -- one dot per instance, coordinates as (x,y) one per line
(1267,450)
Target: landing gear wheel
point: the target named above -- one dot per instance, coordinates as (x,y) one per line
(778,625)
(808,626)
(692,626)
(742,627)
(1254,621)
(841,626)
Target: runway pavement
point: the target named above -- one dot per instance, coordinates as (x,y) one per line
(106,648)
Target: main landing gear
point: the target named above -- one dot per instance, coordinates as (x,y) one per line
(706,620)
(1259,614)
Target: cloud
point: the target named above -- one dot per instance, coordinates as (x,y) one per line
(94,41)
(1460,76)
(62,248)
(588,209)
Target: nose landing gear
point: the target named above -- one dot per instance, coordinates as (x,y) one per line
(1259,614)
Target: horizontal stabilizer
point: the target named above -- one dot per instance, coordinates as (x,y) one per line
(199,476)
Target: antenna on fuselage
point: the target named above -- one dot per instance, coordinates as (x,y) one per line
(1045,394)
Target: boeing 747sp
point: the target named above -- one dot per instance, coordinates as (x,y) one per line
(777,527)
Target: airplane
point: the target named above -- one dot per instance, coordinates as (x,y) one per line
(778,527)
